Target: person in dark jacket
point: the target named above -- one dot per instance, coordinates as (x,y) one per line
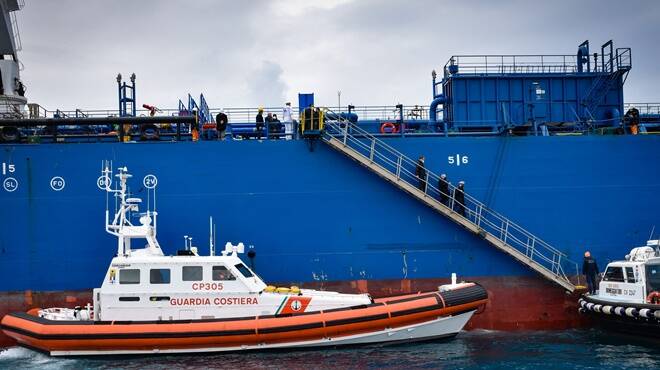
(459,199)
(590,271)
(260,122)
(631,121)
(443,188)
(420,172)
(276,127)
(269,124)
(221,124)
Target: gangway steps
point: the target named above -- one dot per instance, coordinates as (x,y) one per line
(601,88)
(525,254)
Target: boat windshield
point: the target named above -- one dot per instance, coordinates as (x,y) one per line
(613,273)
(244,270)
(653,278)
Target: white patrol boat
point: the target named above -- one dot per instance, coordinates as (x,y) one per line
(153,303)
(628,299)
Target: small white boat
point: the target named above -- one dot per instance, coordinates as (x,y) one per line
(628,299)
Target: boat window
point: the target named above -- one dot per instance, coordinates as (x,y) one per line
(192,273)
(244,270)
(653,278)
(129,299)
(159,298)
(630,276)
(221,273)
(159,276)
(129,276)
(613,274)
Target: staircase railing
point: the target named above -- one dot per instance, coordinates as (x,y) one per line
(600,89)
(485,219)
(610,72)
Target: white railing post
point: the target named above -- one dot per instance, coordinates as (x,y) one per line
(527,247)
(558,264)
(506,231)
(373,147)
(478,216)
(345,131)
(398,167)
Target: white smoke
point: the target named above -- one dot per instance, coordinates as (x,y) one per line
(266,86)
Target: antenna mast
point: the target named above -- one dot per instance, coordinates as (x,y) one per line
(211,241)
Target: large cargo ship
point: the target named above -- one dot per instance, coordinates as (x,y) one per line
(551,165)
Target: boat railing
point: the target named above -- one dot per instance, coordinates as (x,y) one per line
(487,220)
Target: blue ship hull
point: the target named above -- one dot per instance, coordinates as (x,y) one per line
(318,216)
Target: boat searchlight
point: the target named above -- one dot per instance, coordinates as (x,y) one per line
(230,248)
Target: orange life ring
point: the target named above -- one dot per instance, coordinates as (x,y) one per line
(388,128)
(653,297)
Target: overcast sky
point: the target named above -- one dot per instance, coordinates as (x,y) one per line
(250,53)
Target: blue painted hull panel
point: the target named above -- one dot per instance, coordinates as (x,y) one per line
(320,216)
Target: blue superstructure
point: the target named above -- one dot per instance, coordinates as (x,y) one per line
(501,92)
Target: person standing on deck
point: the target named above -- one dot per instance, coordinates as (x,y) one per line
(634,121)
(443,188)
(276,127)
(221,124)
(459,199)
(420,172)
(590,270)
(260,122)
(287,118)
(269,125)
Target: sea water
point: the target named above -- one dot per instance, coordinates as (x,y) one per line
(572,349)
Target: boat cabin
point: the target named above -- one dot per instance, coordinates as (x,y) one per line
(146,285)
(634,279)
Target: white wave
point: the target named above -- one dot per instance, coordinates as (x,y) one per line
(23,358)
(16,353)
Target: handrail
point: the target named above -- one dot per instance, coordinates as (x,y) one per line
(644,108)
(247,114)
(495,224)
(602,84)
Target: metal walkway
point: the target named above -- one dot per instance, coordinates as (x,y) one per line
(499,231)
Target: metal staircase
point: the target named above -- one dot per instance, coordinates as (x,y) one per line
(599,89)
(615,64)
(499,231)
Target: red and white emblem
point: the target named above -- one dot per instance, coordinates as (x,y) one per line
(295,304)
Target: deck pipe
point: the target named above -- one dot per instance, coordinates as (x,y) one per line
(82,121)
(439,99)
(96,121)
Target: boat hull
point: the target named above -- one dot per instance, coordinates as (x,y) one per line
(515,303)
(627,318)
(441,328)
(413,317)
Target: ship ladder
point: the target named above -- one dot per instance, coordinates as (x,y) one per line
(398,169)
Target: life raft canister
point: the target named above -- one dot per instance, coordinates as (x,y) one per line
(149,132)
(388,128)
(653,297)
